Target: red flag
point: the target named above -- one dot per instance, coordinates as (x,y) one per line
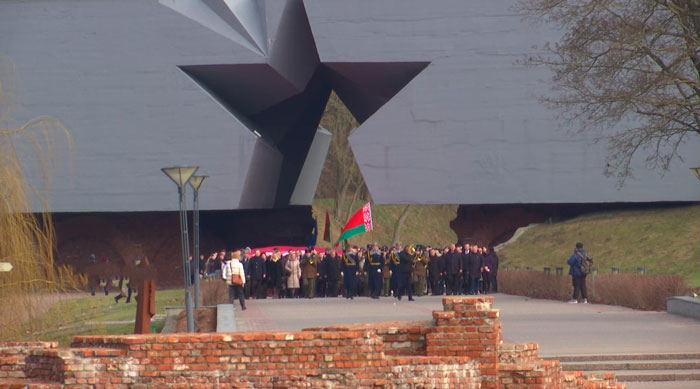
(327,228)
(359,223)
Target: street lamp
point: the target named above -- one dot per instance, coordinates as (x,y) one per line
(180,175)
(196,182)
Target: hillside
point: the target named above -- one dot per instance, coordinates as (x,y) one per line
(664,240)
(425,224)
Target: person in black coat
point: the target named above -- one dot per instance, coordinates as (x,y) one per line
(435,273)
(321,280)
(453,270)
(350,272)
(257,273)
(332,267)
(405,268)
(464,253)
(476,262)
(374,265)
(274,271)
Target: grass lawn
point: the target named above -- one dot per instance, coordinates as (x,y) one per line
(97,315)
(664,240)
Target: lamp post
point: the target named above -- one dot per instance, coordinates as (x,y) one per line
(180,175)
(196,182)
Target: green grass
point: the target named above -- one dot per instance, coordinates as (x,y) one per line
(425,224)
(664,240)
(92,315)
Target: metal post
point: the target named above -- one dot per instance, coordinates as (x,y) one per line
(185,258)
(195,257)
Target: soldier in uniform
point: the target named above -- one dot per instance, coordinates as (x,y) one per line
(350,271)
(394,263)
(362,264)
(309,272)
(375,263)
(386,273)
(420,271)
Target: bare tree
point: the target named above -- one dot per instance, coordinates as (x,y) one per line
(399,223)
(340,122)
(628,63)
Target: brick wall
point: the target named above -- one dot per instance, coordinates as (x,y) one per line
(460,348)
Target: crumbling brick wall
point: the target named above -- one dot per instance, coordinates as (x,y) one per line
(460,348)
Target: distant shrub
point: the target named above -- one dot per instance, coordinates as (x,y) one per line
(213,292)
(645,292)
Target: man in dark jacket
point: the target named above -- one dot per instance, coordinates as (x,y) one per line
(332,266)
(453,270)
(256,273)
(466,267)
(435,272)
(578,278)
(321,280)
(405,268)
(476,262)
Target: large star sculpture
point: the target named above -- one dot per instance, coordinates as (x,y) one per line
(282,100)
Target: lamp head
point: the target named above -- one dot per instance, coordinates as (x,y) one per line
(197,181)
(180,174)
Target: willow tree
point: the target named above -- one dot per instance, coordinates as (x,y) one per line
(26,239)
(633,65)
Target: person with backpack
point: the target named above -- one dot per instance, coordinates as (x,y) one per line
(580,265)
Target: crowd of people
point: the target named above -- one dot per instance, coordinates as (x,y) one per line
(373,271)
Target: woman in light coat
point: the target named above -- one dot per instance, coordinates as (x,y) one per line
(231,267)
(294,273)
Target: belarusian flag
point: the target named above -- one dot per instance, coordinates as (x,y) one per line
(359,223)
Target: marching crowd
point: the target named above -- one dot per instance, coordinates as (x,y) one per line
(373,271)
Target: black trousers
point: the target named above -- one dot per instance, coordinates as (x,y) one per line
(452,283)
(257,289)
(404,281)
(236,291)
(332,288)
(579,286)
(486,276)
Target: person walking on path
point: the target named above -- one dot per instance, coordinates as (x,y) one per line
(234,267)
(578,274)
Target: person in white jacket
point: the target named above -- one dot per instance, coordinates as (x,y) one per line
(231,267)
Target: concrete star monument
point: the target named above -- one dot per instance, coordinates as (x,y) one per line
(282,100)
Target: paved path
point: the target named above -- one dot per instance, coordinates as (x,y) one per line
(559,328)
